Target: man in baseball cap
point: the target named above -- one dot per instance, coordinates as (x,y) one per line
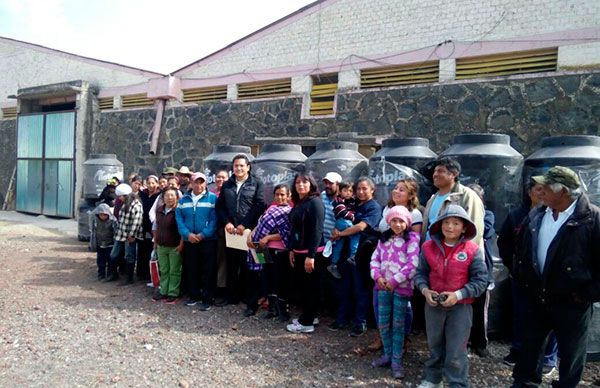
(559,174)
(556,261)
(197,222)
(331,181)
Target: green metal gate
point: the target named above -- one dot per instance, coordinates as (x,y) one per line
(45,159)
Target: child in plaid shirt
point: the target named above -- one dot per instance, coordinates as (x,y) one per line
(129,231)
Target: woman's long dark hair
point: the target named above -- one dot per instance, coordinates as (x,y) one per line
(314,189)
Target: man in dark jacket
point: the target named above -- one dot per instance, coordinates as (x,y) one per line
(557,263)
(239,206)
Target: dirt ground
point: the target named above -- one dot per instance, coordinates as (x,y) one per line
(59,326)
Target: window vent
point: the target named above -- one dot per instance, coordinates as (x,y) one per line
(9,113)
(266,89)
(322,95)
(136,100)
(520,62)
(416,73)
(105,103)
(215,93)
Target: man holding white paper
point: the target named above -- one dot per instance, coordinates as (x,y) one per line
(239,206)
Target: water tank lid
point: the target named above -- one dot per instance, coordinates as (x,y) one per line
(281,152)
(482,138)
(406,142)
(103,156)
(337,145)
(575,140)
(221,148)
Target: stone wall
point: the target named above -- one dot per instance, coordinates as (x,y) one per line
(527,109)
(8,154)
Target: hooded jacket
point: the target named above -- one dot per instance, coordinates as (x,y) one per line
(463,269)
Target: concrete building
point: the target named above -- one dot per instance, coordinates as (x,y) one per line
(373,68)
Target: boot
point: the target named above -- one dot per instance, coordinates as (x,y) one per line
(113,274)
(273,307)
(129,272)
(282,308)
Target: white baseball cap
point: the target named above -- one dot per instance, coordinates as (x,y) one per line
(123,189)
(333,177)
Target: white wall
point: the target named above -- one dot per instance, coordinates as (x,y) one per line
(373,27)
(23,65)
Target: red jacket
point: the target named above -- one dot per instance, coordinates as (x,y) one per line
(449,273)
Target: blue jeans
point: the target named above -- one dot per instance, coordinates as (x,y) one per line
(102,260)
(130,252)
(338,246)
(354,295)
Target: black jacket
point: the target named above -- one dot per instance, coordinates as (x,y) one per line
(244,207)
(572,270)
(508,233)
(306,225)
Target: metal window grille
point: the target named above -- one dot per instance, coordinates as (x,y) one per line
(216,93)
(519,62)
(416,73)
(105,103)
(136,100)
(265,89)
(9,113)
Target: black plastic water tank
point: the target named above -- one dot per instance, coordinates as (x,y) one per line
(277,164)
(86,207)
(490,161)
(337,156)
(98,169)
(221,158)
(400,159)
(581,154)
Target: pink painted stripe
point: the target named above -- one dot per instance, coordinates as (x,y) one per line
(444,51)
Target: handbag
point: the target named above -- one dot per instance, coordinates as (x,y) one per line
(154,273)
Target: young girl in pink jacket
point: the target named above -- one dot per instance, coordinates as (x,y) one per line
(393,266)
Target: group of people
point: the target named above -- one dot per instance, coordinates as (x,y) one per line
(314,244)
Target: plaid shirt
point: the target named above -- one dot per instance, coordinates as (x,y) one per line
(130,222)
(274,220)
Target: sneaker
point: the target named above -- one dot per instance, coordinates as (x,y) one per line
(335,326)
(381,362)
(510,359)
(170,300)
(191,302)
(204,306)
(358,330)
(315,321)
(333,270)
(158,297)
(482,352)
(351,260)
(429,384)
(298,328)
(150,285)
(547,370)
(397,372)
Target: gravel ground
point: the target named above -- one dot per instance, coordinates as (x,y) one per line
(61,327)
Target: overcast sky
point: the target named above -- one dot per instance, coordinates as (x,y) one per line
(161,36)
